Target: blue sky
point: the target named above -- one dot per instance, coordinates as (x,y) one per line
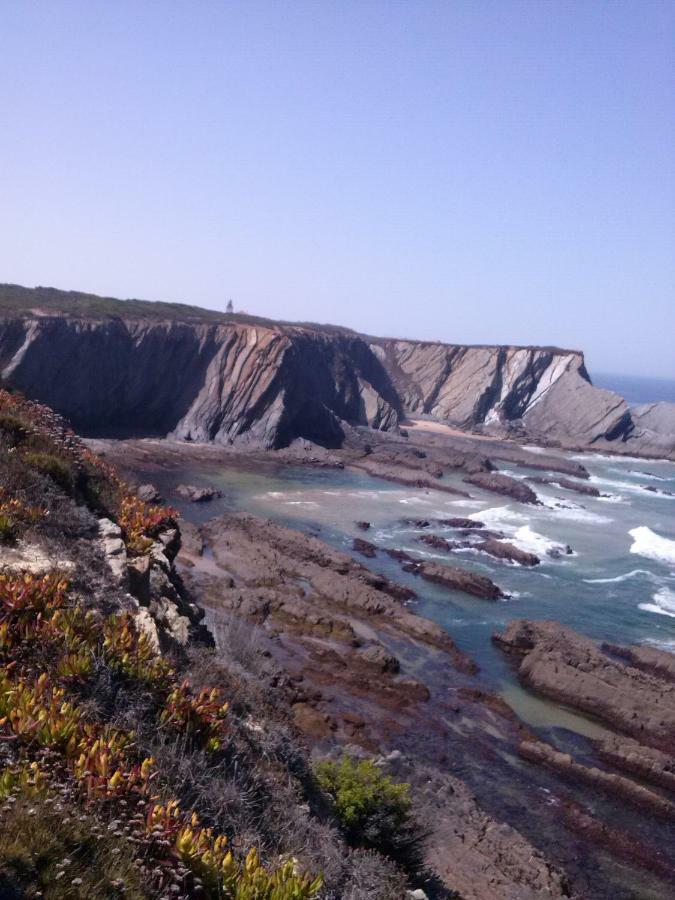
(498,172)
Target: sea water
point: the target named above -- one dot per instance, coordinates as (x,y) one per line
(618,584)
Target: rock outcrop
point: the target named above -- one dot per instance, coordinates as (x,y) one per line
(570,668)
(200,382)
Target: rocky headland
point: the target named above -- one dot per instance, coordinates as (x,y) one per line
(202,376)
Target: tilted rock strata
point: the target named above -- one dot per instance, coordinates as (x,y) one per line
(497,483)
(269,383)
(199,382)
(630,756)
(570,668)
(482,858)
(614,785)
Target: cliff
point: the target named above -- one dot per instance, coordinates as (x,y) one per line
(196,381)
(130,367)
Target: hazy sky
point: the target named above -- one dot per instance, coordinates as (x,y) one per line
(479,171)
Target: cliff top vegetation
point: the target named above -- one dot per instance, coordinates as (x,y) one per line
(16,300)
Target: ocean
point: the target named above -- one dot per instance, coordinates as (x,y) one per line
(637,389)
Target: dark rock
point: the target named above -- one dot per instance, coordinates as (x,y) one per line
(460,522)
(378,657)
(567,483)
(438,543)
(454,578)
(507,551)
(365,548)
(503,484)
(364,526)
(614,785)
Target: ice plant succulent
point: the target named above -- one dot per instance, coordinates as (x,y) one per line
(202,716)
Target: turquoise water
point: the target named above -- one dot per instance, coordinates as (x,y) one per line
(619,584)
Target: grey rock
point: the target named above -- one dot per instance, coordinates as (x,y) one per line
(148,493)
(197,494)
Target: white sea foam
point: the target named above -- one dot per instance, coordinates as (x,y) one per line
(652,545)
(509,521)
(408,500)
(573,512)
(668,646)
(649,475)
(533,542)
(630,487)
(611,498)
(496,516)
(619,578)
(532,449)
(663,605)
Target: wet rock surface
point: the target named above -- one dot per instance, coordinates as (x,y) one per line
(451,577)
(570,668)
(567,483)
(493,546)
(365,548)
(341,644)
(504,485)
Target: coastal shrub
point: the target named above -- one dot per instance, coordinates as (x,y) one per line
(128,650)
(16,516)
(140,522)
(371,876)
(87,697)
(12,428)
(55,467)
(374,811)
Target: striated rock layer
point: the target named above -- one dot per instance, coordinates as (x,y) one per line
(201,382)
(127,367)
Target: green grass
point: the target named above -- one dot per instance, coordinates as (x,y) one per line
(16,300)
(50,848)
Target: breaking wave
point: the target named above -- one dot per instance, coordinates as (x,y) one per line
(663,605)
(619,578)
(533,542)
(652,545)
(509,521)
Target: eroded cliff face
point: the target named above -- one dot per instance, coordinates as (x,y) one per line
(269,384)
(206,382)
(545,390)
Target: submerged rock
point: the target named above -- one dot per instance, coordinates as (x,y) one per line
(567,483)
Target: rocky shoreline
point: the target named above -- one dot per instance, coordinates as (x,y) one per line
(359,668)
